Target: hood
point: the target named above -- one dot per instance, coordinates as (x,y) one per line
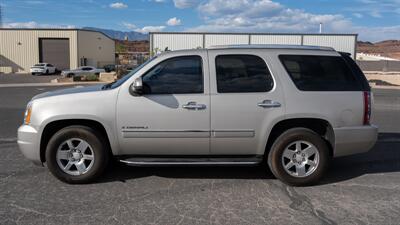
(69,91)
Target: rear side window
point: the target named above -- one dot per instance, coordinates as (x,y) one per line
(320,73)
(242,73)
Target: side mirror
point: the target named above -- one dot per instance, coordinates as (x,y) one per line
(136,88)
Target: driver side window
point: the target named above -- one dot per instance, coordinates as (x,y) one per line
(178,75)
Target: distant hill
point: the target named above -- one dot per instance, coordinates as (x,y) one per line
(120,35)
(388,48)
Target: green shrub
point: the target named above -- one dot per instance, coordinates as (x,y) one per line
(91,77)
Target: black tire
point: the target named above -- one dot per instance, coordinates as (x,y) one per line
(93,138)
(284,140)
(70,75)
(33,74)
(47,72)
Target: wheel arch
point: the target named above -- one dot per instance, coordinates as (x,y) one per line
(318,125)
(52,127)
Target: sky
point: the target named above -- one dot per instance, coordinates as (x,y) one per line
(373,20)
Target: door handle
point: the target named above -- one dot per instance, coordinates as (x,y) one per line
(269,104)
(194,106)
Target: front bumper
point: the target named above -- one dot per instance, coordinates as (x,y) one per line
(28,142)
(354,140)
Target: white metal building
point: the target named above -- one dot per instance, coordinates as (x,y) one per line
(159,41)
(65,48)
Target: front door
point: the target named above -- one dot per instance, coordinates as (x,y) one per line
(172,117)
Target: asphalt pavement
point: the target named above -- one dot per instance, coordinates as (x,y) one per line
(360,189)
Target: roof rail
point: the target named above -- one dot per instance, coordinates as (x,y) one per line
(272,46)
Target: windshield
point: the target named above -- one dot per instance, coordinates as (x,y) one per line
(130,74)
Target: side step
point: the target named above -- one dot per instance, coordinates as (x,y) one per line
(191,161)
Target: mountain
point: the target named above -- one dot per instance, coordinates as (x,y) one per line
(388,48)
(120,35)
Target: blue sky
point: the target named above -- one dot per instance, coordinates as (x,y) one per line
(373,20)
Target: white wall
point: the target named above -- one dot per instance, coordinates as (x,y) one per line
(177,41)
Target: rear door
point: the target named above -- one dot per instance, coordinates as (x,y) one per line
(245,100)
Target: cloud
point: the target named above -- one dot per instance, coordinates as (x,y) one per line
(158,1)
(183,4)
(33,24)
(148,29)
(263,16)
(130,26)
(118,5)
(174,22)
(358,15)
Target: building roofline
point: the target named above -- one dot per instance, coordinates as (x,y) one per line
(260,33)
(57,29)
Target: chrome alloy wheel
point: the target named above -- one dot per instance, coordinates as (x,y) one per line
(300,159)
(75,156)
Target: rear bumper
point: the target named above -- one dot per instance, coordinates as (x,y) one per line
(354,140)
(28,142)
(37,70)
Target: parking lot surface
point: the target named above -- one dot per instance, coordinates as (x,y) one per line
(360,189)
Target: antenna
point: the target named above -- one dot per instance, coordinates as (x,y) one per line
(1,17)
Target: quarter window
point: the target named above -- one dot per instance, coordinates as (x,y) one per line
(178,75)
(242,73)
(320,73)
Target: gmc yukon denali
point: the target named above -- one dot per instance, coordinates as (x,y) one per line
(292,107)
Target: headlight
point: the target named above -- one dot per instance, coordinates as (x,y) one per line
(28,113)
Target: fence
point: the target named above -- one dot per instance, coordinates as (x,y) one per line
(383,65)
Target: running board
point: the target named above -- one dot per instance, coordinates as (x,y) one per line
(191,161)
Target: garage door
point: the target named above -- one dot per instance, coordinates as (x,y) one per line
(54,51)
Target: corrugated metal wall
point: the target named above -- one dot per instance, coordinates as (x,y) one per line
(177,41)
(98,49)
(276,39)
(224,39)
(339,43)
(19,49)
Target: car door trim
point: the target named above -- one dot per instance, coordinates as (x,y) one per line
(233,133)
(166,134)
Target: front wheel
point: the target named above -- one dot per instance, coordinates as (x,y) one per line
(77,154)
(299,157)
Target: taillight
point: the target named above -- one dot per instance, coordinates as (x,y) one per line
(367,107)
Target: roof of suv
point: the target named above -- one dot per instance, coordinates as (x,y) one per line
(272,46)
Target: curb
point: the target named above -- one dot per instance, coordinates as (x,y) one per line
(47,84)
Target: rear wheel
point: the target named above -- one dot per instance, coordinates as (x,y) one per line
(77,154)
(299,157)
(70,75)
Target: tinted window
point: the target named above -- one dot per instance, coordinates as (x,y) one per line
(356,71)
(242,73)
(86,68)
(177,75)
(49,65)
(320,73)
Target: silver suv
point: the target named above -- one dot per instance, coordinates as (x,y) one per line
(294,107)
